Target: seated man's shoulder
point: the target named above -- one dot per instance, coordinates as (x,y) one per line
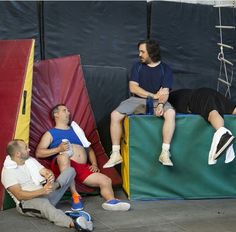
(48,133)
(165,66)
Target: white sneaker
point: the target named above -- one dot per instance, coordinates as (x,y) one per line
(115,159)
(116,205)
(82,224)
(164,158)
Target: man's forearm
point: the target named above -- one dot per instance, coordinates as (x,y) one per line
(163,98)
(92,157)
(135,89)
(44,152)
(27,195)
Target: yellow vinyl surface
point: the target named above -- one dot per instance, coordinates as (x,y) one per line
(23,120)
(125,155)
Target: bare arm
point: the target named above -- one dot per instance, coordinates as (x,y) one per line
(93,160)
(27,195)
(162,94)
(42,150)
(135,89)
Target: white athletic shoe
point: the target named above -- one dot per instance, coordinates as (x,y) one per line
(116,205)
(164,158)
(82,224)
(115,159)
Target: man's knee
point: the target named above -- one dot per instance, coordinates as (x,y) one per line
(170,114)
(234,112)
(102,180)
(63,162)
(70,172)
(106,181)
(213,113)
(116,116)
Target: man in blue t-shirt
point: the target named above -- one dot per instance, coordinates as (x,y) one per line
(150,77)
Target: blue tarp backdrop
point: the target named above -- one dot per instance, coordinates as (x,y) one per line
(105,34)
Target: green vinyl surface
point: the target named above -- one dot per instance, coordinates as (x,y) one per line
(191,177)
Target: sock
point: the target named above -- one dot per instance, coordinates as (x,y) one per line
(221,128)
(76,197)
(165,147)
(116,148)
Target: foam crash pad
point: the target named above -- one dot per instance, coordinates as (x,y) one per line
(191,177)
(16,68)
(57,81)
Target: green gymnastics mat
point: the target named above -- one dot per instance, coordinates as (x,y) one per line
(144,178)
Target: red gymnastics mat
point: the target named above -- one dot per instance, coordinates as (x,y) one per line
(16,67)
(61,80)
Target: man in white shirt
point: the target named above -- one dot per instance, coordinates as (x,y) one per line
(34,188)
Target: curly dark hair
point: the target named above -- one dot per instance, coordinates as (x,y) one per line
(153,49)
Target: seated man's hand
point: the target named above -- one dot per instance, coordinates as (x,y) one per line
(48,188)
(161,92)
(50,176)
(159,111)
(94,168)
(63,147)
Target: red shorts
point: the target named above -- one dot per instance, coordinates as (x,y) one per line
(82,171)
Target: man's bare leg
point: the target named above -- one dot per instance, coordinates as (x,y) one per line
(168,126)
(167,133)
(215,119)
(105,184)
(234,112)
(116,127)
(116,133)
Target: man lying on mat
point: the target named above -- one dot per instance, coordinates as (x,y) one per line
(67,143)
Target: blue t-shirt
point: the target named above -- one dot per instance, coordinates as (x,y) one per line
(152,79)
(59,134)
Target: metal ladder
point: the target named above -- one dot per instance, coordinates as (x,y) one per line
(226,67)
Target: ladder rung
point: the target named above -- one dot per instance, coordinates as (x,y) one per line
(223,81)
(225,45)
(225,27)
(227,61)
(225,5)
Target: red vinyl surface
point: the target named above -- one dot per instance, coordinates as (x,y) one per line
(61,80)
(14,56)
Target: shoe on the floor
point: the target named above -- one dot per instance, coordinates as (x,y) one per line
(116,205)
(164,158)
(81,224)
(77,205)
(76,214)
(115,159)
(225,141)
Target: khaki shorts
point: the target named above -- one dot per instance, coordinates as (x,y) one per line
(137,105)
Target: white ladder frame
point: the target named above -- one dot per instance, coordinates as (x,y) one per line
(224,78)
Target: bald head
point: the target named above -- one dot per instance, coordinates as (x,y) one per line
(14,146)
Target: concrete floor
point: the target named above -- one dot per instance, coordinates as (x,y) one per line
(146,216)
